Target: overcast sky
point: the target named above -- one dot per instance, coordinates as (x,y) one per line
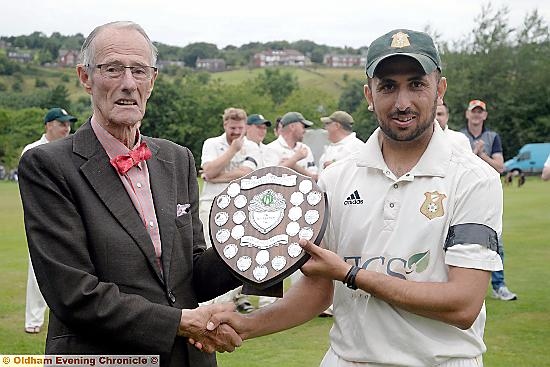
(224,22)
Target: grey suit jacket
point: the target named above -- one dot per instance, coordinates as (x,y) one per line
(95,262)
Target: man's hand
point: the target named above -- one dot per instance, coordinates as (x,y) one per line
(193,325)
(300,154)
(323,263)
(237,144)
(478,147)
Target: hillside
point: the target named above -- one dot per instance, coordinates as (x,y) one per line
(330,80)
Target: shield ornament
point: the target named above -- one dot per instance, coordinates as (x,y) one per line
(266,210)
(432,207)
(400,40)
(257,221)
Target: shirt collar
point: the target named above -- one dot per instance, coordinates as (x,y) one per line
(345,140)
(434,161)
(112,145)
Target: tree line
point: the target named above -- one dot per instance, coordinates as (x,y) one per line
(506,67)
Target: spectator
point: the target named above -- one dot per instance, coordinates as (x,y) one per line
(486,144)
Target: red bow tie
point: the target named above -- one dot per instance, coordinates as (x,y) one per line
(124,162)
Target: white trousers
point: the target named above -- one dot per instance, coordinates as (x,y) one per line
(35,305)
(331,359)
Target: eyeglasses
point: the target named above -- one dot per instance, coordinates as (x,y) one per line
(114,71)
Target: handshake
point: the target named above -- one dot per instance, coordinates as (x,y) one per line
(213,328)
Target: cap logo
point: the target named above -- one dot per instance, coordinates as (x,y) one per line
(400,40)
(64,112)
(261,117)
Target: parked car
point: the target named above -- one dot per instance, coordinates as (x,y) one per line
(530,159)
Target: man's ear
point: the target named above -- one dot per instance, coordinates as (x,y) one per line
(84,78)
(150,88)
(441,89)
(368,96)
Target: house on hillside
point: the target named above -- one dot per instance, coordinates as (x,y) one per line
(20,56)
(210,64)
(280,58)
(68,58)
(4,44)
(344,61)
(161,64)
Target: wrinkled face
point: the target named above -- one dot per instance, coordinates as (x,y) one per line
(404,98)
(256,133)
(442,116)
(234,129)
(476,116)
(121,100)
(56,129)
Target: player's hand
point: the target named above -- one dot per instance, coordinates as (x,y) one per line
(237,144)
(323,263)
(300,154)
(193,325)
(242,324)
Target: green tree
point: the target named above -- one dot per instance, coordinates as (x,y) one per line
(40,83)
(352,96)
(17,129)
(59,96)
(197,50)
(17,87)
(279,85)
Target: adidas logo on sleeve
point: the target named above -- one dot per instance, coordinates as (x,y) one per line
(353,199)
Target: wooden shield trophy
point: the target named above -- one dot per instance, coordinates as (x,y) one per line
(256,222)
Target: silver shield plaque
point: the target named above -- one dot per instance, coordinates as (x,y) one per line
(265,214)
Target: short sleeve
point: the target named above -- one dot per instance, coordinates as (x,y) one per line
(209,152)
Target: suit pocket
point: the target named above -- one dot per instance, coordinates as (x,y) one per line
(183,221)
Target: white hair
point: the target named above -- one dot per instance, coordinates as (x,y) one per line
(87,53)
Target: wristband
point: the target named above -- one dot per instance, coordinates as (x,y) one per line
(349,280)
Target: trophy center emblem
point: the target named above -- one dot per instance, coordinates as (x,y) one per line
(266,210)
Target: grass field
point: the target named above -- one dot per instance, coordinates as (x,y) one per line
(517,333)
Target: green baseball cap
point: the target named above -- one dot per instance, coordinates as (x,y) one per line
(418,45)
(291,117)
(256,119)
(58,114)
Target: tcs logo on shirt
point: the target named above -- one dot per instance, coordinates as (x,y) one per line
(395,266)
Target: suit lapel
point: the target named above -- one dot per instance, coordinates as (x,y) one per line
(106,183)
(163,187)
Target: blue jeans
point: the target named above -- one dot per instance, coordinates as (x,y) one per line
(497,277)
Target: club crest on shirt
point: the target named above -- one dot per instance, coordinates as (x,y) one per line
(432,207)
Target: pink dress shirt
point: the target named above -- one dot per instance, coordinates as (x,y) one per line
(136,183)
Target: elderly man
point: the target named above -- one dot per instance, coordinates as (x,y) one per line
(343,142)
(57,125)
(112,222)
(410,261)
